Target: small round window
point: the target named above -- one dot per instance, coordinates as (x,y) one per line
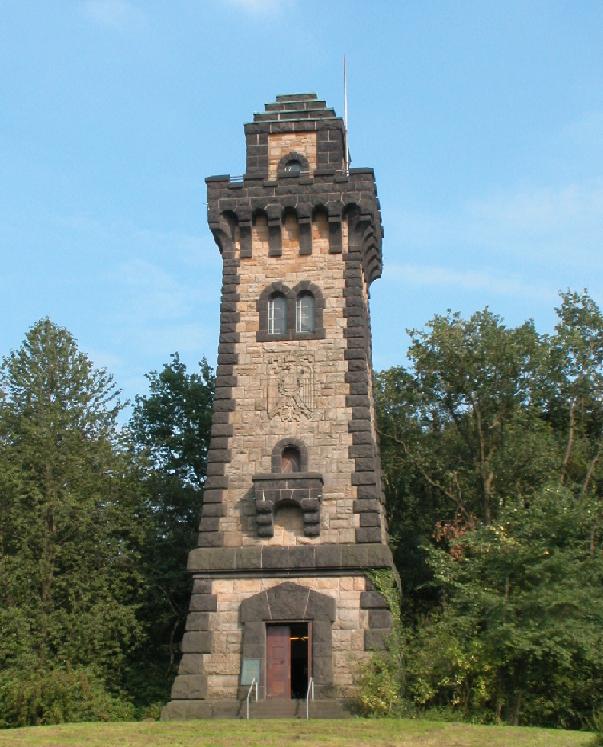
(293,167)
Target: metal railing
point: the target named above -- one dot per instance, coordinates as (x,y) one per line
(253,684)
(309,694)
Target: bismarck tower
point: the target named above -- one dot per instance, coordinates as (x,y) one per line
(292,520)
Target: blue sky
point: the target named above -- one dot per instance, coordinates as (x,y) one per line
(483,121)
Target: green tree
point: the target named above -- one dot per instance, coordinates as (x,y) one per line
(461,429)
(491,445)
(171,427)
(70,525)
(522,598)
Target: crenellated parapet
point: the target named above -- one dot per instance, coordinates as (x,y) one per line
(295,172)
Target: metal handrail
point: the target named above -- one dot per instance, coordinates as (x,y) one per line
(253,684)
(309,692)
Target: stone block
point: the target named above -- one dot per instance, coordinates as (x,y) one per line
(203,603)
(368,534)
(328,555)
(286,603)
(191,664)
(255,608)
(249,558)
(372,600)
(189,687)
(197,621)
(321,606)
(363,505)
(210,539)
(379,618)
(375,640)
(196,642)
(302,556)
(354,556)
(202,586)
(254,634)
(275,557)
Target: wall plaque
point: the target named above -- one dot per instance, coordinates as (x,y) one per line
(250,671)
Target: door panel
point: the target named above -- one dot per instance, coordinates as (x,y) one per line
(278,661)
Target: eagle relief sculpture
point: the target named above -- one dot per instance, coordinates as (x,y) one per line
(291,386)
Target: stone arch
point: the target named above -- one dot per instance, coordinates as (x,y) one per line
(285,443)
(319,305)
(289,602)
(287,159)
(262,309)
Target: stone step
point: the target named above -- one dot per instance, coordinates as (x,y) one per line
(297,709)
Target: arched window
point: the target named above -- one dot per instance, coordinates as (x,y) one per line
(277,314)
(290,459)
(293,167)
(304,312)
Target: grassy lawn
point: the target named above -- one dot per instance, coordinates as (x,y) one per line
(296,733)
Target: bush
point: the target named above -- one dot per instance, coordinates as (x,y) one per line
(597,727)
(57,695)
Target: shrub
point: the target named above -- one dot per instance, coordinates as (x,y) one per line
(597,727)
(57,695)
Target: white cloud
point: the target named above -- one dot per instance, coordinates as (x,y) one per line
(116,14)
(470,280)
(562,225)
(543,210)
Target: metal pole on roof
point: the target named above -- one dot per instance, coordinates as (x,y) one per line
(345,116)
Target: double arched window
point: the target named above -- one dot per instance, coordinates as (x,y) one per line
(290,314)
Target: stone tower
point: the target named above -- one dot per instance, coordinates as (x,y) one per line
(292,517)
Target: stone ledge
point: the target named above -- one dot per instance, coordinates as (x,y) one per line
(296,558)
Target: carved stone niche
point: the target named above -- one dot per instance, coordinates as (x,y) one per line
(302,489)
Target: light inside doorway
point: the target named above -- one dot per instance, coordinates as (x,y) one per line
(287,660)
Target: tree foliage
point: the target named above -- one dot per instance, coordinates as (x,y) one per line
(170,427)
(69,513)
(491,442)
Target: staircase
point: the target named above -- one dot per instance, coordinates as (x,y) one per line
(297,709)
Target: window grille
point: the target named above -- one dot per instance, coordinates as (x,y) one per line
(304,317)
(277,315)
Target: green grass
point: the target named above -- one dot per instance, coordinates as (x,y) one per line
(290,732)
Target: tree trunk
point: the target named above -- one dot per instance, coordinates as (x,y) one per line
(591,469)
(571,435)
(486,474)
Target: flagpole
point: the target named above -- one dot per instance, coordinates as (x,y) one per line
(345,116)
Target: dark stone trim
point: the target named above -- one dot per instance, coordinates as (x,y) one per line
(291,602)
(372,600)
(379,618)
(223,229)
(262,335)
(262,308)
(298,557)
(305,235)
(191,680)
(375,640)
(357,333)
(293,156)
(301,489)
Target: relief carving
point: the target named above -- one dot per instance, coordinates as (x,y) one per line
(290,385)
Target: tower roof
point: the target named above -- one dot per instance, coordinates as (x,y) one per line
(291,107)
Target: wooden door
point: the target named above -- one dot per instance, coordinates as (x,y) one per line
(278,661)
